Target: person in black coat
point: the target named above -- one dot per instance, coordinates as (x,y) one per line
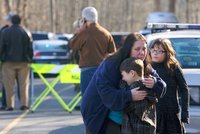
(16,53)
(164,62)
(3,98)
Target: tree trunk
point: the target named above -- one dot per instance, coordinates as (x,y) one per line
(7,6)
(172,5)
(18,2)
(187,11)
(24,11)
(157,5)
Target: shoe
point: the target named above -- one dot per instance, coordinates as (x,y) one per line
(10,109)
(3,108)
(24,108)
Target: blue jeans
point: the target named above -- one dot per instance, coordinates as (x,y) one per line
(86,76)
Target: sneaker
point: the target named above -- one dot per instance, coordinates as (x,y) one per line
(10,109)
(24,108)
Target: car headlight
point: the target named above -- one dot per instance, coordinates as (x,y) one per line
(194,95)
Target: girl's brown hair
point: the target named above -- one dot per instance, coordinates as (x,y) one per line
(170,60)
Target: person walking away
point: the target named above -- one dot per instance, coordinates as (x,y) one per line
(16,53)
(168,108)
(139,117)
(93,42)
(3,99)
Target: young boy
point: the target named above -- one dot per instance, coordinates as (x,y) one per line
(139,116)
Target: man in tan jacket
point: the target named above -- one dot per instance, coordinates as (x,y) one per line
(93,42)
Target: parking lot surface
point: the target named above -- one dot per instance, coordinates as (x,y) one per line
(50,118)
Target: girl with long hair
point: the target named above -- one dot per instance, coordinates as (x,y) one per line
(167,66)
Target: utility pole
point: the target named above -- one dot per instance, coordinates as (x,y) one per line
(50,16)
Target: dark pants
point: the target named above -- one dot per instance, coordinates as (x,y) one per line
(111,128)
(169,123)
(86,76)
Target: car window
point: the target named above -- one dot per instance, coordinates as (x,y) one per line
(50,47)
(187,51)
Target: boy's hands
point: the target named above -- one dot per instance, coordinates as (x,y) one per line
(138,95)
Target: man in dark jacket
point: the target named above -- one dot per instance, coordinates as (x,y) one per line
(16,53)
(3,99)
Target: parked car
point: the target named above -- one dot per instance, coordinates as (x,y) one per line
(119,38)
(187,46)
(51,51)
(158,17)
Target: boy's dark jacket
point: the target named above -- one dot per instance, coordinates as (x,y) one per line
(141,108)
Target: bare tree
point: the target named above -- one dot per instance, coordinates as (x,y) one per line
(157,5)
(18,2)
(187,11)
(172,5)
(7,6)
(24,12)
(120,15)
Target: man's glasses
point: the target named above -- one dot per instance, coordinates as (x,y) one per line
(153,51)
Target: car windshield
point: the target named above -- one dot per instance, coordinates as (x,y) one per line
(187,51)
(50,47)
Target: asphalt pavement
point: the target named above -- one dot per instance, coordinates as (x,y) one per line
(51,118)
(48,118)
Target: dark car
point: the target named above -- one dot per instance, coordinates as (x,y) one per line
(51,51)
(119,38)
